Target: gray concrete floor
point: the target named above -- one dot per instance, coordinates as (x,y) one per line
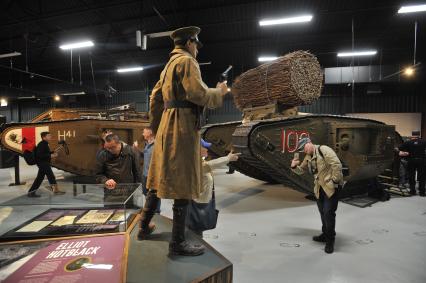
(266,231)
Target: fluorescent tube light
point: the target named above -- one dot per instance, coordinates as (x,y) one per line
(412,9)
(7,55)
(282,21)
(26,97)
(73,93)
(357,53)
(267,58)
(77,45)
(130,69)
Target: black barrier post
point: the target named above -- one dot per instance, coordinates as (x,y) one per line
(17,177)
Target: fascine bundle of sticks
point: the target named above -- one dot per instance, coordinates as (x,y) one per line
(291,80)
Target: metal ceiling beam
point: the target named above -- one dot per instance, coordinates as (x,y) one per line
(185,13)
(66,12)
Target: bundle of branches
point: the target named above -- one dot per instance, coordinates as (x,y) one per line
(292,80)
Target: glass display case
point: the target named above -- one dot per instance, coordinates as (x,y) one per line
(83,210)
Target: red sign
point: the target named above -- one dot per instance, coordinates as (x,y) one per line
(97,259)
(290,139)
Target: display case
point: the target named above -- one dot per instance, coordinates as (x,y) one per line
(84,209)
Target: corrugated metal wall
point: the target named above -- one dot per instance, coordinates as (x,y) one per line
(335,100)
(140,98)
(228,112)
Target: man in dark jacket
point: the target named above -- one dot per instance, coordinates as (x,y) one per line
(117,163)
(414,151)
(43,156)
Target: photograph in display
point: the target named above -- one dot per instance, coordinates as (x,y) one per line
(34,226)
(95,216)
(63,222)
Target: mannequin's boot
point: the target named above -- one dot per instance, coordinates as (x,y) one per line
(146,227)
(178,245)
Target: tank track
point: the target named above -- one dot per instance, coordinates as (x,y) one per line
(241,165)
(242,142)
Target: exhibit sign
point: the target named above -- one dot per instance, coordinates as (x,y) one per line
(96,259)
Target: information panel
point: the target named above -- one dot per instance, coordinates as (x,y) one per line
(96,259)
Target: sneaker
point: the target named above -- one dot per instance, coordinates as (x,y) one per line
(53,189)
(33,195)
(319,238)
(48,189)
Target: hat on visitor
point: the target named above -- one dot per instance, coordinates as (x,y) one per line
(302,142)
(205,144)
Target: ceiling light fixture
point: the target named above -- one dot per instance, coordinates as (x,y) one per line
(70,46)
(409,71)
(412,9)
(73,93)
(129,69)
(3,102)
(357,53)
(267,58)
(283,21)
(26,97)
(57,98)
(7,55)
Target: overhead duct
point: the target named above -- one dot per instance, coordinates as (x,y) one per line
(142,39)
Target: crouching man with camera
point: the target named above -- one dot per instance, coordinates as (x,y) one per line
(322,162)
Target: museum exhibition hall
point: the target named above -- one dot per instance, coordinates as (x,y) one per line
(212,141)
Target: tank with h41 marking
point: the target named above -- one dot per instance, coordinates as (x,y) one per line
(77,132)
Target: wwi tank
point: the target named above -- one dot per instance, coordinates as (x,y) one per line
(268,137)
(79,133)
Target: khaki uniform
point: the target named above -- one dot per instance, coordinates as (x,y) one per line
(175,169)
(327,171)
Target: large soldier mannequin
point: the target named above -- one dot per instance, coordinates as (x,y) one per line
(175,104)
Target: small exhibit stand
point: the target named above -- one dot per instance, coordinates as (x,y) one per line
(89,235)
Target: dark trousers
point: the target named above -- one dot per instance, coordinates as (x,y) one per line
(416,164)
(44,169)
(145,191)
(327,208)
